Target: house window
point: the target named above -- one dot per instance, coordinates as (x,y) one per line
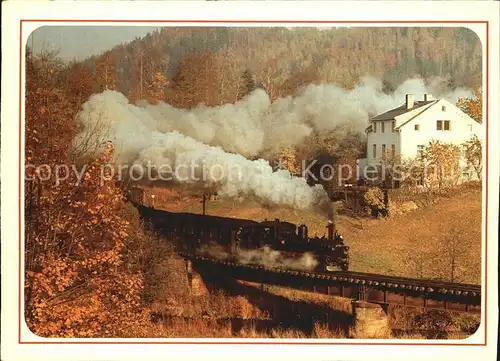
(374,127)
(393,150)
(417,127)
(443,108)
(383,150)
(443,125)
(374,151)
(420,151)
(383,127)
(393,125)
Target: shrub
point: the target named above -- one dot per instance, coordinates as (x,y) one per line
(468,323)
(433,323)
(374,198)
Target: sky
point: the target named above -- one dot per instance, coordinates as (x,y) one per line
(80,42)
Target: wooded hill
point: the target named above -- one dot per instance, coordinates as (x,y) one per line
(221,64)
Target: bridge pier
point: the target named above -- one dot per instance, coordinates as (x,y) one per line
(195,282)
(369,320)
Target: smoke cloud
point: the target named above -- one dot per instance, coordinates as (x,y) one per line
(254,124)
(177,157)
(232,175)
(262,256)
(221,137)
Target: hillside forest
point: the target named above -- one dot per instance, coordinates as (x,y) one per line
(222,64)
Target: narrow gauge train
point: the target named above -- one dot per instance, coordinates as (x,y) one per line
(192,231)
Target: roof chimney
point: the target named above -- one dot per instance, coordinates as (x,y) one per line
(409,101)
(427,97)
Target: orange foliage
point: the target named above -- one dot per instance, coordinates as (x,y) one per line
(195,81)
(82,275)
(148,81)
(156,89)
(105,69)
(47,111)
(206,78)
(82,284)
(153,90)
(473,106)
(441,163)
(81,84)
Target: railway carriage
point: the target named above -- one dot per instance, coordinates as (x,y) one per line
(191,232)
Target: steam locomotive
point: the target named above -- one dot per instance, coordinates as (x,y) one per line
(194,231)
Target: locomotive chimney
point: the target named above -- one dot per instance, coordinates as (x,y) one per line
(302,232)
(331,229)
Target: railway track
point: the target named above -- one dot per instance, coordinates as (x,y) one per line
(402,282)
(376,288)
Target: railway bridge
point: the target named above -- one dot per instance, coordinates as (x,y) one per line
(373,288)
(371,294)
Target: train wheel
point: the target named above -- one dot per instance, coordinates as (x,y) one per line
(345,266)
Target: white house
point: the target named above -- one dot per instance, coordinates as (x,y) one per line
(407,129)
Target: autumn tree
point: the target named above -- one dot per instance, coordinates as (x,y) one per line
(374,198)
(455,258)
(420,261)
(270,76)
(390,167)
(81,84)
(209,79)
(82,282)
(148,79)
(138,75)
(82,274)
(298,80)
(441,163)
(194,82)
(105,69)
(473,154)
(451,256)
(233,82)
(246,84)
(473,106)
(156,89)
(410,172)
(340,148)
(48,110)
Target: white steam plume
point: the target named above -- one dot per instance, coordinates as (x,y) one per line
(176,157)
(233,175)
(254,124)
(272,258)
(262,256)
(203,137)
